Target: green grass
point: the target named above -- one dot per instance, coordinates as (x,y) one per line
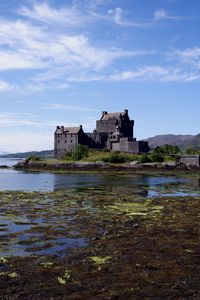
(114,157)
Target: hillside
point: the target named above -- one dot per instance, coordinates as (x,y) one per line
(45,153)
(183,141)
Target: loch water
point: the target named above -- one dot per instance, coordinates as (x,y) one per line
(145,185)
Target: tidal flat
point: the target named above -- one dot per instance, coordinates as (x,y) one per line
(101,242)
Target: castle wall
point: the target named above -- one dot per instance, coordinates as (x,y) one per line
(114,131)
(65,143)
(130,146)
(109,126)
(191,160)
(105,126)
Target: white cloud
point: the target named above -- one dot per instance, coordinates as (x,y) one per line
(156,73)
(77,15)
(58,106)
(190,53)
(43,12)
(117,14)
(5,86)
(162,14)
(25,141)
(189,58)
(11,60)
(60,56)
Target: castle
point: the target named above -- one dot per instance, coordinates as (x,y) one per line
(114,131)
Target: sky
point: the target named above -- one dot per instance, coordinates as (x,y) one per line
(62,62)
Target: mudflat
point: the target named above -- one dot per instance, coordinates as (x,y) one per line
(99,243)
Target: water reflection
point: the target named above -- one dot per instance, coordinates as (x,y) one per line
(147,186)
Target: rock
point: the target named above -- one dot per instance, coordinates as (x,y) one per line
(101,163)
(133,163)
(4,167)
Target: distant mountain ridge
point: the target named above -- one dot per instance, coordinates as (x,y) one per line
(183,141)
(44,154)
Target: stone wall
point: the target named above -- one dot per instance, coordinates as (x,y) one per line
(130,146)
(191,160)
(65,143)
(105,126)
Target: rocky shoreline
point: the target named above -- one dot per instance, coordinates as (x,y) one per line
(98,166)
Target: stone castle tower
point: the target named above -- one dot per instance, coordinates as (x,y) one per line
(114,131)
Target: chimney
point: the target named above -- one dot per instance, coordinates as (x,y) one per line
(57,127)
(62,129)
(126,111)
(81,127)
(104,113)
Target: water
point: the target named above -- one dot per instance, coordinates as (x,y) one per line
(145,185)
(9,161)
(45,225)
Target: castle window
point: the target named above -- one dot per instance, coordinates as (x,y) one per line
(65,141)
(58,142)
(71,141)
(65,135)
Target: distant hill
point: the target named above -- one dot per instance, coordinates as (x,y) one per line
(44,153)
(183,141)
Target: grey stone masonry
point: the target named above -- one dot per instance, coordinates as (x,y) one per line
(114,131)
(191,160)
(67,138)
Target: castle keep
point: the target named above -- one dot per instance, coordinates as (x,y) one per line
(114,131)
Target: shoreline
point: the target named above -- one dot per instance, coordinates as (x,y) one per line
(102,167)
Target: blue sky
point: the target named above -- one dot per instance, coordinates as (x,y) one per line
(62,62)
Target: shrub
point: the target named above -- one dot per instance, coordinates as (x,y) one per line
(115,157)
(80,152)
(167,150)
(34,157)
(157,158)
(190,151)
(68,156)
(144,158)
(106,150)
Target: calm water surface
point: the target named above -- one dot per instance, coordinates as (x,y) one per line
(47,226)
(150,186)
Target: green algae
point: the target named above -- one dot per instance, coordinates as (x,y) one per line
(47,264)
(3,260)
(151,243)
(66,277)
(135,208)
(12,275)
(100,260)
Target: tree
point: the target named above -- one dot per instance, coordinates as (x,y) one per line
(80,152)
(167,150)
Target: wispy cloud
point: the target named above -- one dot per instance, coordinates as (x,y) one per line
(68,15)
(25,141)
(162,14)
(5,86)
(157,74)
(58,57)
(74,16)
(28,120)
(53,53)
(58,106)
(189,54)
(118,15)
